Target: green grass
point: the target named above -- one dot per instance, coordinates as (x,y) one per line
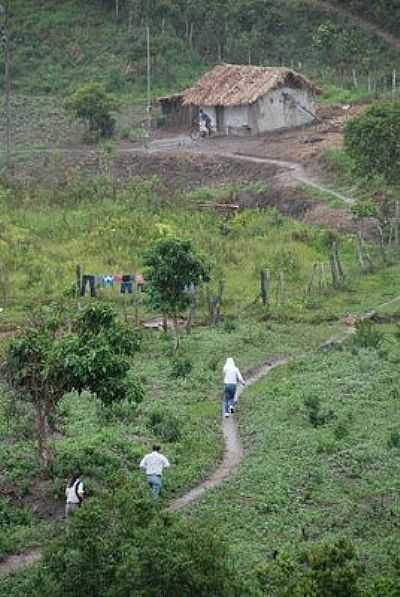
(104,443)
(332,94)
(301,484)
(46,233)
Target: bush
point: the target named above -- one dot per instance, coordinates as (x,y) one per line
(327,570)
(93,105)
(230,324)
(181,367)
(367,336)
(165,425)
(394,439)
(122,545)
(314,414)
(372,140)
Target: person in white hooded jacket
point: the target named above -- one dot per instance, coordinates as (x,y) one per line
(232,377)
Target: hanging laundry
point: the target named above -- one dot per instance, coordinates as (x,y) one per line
(91,282)
(117,278)
(127,284)
(108,281)
(139,280)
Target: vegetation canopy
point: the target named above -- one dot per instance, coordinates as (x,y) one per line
(372,140)
(93,105)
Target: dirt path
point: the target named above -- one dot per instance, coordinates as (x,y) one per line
(294,171)
(232,459)
(233,448)
(13,563)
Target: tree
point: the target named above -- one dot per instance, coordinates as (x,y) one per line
(29,372)
(173,270)
(326,570)
(93,105)
(46,361)
(372,140)
(120,544)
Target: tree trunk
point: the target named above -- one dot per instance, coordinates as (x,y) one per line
(42,428)
(177,335)
(382,244)
(165,323)
(332,261)
(264,281)
(311,281)
(337,259)
(191,35)
(360,253)
(191,316)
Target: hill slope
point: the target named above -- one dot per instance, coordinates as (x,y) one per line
(58,45)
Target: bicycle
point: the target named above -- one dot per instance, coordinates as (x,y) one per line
(199,131)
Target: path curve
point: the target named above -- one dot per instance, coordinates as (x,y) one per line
(232,459)
(233,453)
(183,143)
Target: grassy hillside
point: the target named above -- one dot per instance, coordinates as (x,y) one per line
(322,460)
(57,46)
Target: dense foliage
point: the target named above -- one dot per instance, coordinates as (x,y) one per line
(93,105)
(372,140)
(121,545)
(46,361)
(105,40)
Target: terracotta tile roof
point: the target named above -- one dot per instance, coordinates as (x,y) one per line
(235,85)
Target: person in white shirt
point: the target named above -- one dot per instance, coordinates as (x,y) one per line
(232,376)
(74,494)
(153,464)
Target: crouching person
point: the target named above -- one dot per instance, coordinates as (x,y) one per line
(74,494)
(153,465)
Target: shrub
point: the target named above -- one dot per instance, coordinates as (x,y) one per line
(367,336)
(327,570)
(394,439)
(165,425)
(122,545)
(372,140)
(181,367)
(314,414)
(93,105)
(230,324)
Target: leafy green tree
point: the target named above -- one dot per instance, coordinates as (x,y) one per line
(372,140)
(46,361)
(327,570)
(173,268)
(93,105)
(29,372)
(121,544)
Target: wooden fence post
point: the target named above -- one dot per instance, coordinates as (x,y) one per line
(264,280)
(311,281)
(78,280)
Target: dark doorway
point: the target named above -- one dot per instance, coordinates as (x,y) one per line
(219,112)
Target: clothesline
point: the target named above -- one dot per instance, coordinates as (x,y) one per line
(126,281)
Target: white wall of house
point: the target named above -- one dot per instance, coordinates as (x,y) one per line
(274,111)
(236,116)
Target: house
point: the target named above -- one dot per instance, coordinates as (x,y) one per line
(253,99)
